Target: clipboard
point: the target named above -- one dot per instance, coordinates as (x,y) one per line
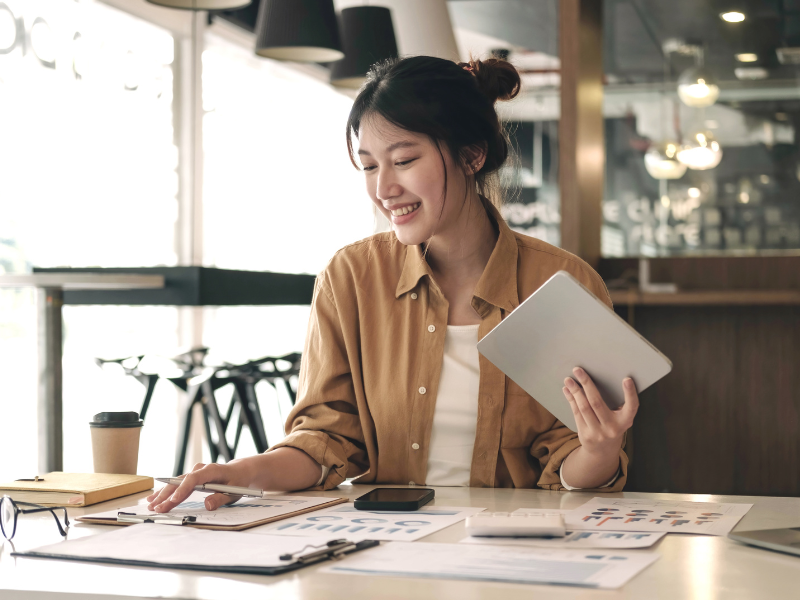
(111,518)
(334,550)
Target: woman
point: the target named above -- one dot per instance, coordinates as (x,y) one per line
(392,388)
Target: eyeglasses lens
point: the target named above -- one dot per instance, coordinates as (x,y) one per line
(7,516)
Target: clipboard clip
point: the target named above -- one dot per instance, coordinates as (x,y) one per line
(334,549)
(123,517)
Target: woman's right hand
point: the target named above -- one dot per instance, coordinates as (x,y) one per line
(171,496)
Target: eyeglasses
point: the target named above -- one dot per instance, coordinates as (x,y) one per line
(9,510)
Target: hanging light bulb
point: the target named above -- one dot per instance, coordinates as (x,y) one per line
(701,151)
(697,87)
(661,161)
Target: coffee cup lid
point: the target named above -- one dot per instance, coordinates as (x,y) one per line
(116,419)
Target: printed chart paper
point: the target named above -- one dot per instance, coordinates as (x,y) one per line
(246,510)
(577,539)
(624,514)
(347,522)
(598,569)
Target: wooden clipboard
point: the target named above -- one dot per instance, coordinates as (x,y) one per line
(240,527)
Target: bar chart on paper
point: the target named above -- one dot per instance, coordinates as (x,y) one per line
(345,521)
(626,514)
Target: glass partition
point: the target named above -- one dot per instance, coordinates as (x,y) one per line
(701,115)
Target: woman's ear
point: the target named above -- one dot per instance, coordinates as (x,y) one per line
(474,157)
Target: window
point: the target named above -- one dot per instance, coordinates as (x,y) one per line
(279,195)
(88,179)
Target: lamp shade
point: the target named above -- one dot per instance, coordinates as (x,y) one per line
(368,37)
(299,30)
(202,4)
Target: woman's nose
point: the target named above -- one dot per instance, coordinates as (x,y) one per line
(387,186)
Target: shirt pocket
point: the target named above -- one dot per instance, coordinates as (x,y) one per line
(524,419)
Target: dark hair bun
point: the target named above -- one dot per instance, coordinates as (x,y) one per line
(498,79)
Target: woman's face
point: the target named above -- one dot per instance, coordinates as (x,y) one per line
(405,180)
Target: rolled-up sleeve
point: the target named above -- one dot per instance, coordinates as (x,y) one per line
(325,422)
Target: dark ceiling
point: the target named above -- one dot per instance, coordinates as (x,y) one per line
(635,30)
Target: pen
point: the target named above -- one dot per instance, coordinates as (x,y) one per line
(217,488)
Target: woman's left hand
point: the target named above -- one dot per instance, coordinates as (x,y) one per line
(600,429)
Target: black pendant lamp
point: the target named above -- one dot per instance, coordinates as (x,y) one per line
(202,4)
(368,37)
(299,30)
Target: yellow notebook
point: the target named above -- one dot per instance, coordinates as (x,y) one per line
(75,489)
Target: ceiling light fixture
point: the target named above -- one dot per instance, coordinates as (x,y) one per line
(367,37)
(747,57)
(298,30)
(750,73)
(661,161)
(701,152)
(733,16)
(697,87)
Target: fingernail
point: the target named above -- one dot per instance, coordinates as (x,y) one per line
(569,383)
(628,383)
(578,371)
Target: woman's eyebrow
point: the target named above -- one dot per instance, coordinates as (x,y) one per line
(395,146)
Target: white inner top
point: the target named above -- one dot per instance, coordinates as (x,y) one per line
(455,418)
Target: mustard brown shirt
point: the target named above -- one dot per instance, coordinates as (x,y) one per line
(373,356)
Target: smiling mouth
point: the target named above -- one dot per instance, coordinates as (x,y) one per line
(399,212)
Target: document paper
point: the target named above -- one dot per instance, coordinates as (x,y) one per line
(626,514)
(246,510)
(180,546)
(597,569)
(345,521)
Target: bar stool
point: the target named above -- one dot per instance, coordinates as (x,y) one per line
(200,382)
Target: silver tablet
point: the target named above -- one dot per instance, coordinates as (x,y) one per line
(562,325)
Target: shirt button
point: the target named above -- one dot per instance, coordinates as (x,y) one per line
(411,483)
(431,328)
(422,390)
(414,296)
(415,446)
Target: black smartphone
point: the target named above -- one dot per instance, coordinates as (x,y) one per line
(394,499)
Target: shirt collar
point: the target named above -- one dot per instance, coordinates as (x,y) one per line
(498,284)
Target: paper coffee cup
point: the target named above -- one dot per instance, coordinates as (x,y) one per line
(115,442)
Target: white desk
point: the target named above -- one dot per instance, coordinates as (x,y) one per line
(690,567)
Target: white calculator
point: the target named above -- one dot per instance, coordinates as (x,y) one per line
(503,524)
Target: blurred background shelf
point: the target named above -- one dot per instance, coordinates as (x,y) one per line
(707,298)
